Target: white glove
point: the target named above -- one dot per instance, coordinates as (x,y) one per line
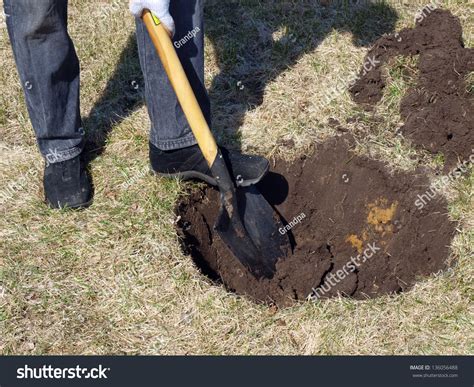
(161,8)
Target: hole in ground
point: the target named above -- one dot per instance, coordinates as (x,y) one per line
(382,237)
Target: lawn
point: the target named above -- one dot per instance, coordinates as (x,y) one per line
(113,279)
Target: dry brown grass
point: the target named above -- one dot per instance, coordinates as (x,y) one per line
(113,279)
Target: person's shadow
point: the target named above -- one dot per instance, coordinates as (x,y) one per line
(254,42)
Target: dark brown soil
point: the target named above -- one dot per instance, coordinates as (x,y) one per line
(438,112)
(349,204)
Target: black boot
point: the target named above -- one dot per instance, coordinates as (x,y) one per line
(67,184)
(189,163)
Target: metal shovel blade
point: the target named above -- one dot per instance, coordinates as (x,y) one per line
(249,227)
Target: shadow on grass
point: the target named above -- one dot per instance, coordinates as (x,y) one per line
(123,94)
(255,42)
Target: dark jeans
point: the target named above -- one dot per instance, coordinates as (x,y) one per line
(49,72)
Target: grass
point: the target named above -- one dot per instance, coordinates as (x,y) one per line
(113,278)
(470,83)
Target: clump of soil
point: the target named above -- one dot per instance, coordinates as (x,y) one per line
(345,205)
(438,113)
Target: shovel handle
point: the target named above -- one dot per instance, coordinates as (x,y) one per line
(180,83)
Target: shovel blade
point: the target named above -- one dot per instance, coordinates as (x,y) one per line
(249,227)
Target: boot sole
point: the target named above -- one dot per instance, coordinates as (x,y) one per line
(192,175)
(77,207)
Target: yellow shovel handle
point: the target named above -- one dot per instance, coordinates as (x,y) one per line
(184,92)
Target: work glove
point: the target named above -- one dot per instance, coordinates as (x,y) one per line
(161,8)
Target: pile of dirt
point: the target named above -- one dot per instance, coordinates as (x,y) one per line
(438,113)
(357,229)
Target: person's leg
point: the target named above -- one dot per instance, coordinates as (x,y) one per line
(169,128)
(173,149)
(49,73)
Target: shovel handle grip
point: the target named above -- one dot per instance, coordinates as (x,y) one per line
(180,83)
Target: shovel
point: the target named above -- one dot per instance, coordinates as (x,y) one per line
(246,222)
